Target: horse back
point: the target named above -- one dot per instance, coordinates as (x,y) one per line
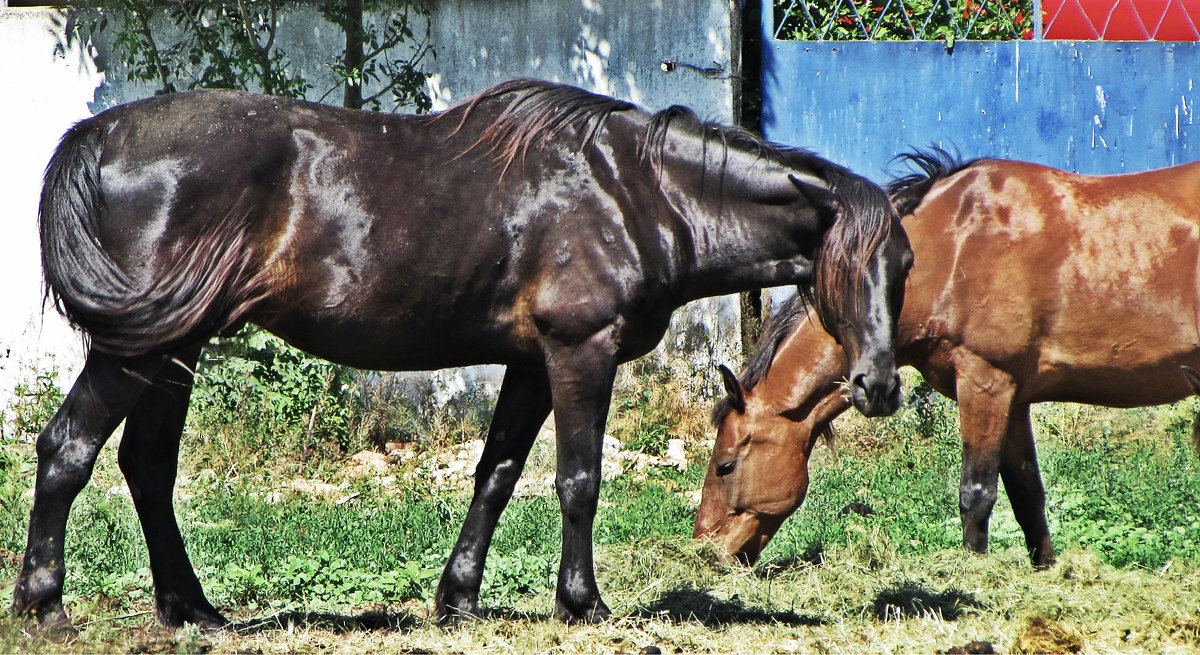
(1081,287)
(365,229)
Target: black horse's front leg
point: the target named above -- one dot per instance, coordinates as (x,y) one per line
(149,457)
(105,391)
(582,379)
(521,409)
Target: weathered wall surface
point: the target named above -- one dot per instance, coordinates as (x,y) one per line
(1090,107)
(614,47)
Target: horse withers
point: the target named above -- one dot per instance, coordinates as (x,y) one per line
(1031,285)
(537,225)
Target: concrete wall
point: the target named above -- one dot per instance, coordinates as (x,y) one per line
(45,86)
(611,46)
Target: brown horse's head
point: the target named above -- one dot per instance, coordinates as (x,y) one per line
(767,426)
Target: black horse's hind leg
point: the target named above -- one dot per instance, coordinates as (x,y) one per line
(582,380)
(102,396)
(148,457)
(523,405)
(1023,482)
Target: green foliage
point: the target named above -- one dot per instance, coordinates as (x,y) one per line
(1129,501)
(907,20)
(197,45)
(518,572)
(213,44)
(37,399)
(256,394)
(634,509)
(370,65)
(645,411)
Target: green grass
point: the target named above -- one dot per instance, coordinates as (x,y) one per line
(1122,485)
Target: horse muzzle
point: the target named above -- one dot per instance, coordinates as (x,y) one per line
(876,391)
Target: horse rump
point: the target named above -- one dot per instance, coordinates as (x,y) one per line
(210,286)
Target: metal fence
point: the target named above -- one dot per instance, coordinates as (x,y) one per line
(986,20)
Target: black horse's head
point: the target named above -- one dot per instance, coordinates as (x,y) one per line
(861,270)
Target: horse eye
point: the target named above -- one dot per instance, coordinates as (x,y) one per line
(726,468)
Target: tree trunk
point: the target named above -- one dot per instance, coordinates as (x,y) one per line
(748,108)
(352,96)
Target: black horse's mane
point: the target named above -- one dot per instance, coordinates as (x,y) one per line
(906,193)
(538,111)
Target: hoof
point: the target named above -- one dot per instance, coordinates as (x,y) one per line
(462,610)
(59,630)
(595,613)
(51,618)
(204,615)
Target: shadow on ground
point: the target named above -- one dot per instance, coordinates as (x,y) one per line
(687,604)
(336,623)
(912,600)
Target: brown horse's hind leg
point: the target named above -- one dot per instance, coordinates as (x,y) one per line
(148,457)
(1023,482)
(521,409)
(102,396)
(984,399)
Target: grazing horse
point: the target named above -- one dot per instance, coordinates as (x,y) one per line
(1031,285)
(537,225)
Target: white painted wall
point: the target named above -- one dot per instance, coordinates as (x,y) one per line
(45,87)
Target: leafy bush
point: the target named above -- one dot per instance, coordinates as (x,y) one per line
(38,397)
(254,393)
(904,20)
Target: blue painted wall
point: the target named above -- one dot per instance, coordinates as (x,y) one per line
(1091,107)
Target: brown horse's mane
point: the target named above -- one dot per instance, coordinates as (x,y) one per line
(933,165)
(781,324)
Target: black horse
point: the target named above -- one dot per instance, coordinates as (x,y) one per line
(536,225)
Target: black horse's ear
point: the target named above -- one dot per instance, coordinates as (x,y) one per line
(737,399)
(825,202)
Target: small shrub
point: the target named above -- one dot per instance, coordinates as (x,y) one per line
(38,397)
(255,394)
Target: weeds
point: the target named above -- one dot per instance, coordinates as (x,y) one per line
(1122,489)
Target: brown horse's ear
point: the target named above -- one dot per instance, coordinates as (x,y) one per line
(1193,378)
(825,202)
(737,399)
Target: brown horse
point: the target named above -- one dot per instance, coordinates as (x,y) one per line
(1031,285)
(537,225)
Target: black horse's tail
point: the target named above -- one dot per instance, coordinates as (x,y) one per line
(932,165)
(208,288)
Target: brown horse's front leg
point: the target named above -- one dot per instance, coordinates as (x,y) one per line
(103,394)
(1023,482)
(984,400)
(582,379)
(521,409)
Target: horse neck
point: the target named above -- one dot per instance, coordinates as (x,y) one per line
(807,367)
(736,243)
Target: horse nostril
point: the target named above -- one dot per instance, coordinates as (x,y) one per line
(860,381)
